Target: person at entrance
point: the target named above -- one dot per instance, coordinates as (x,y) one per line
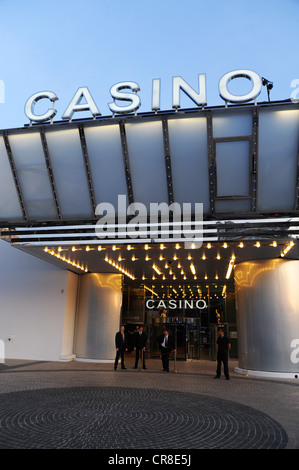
(222,354)
(121,347)
(166,344)
(140,340)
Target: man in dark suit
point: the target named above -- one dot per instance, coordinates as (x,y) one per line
(121,347)
(224,347)
(140,339)
(166,344)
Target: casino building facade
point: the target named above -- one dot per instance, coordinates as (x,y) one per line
(184,218)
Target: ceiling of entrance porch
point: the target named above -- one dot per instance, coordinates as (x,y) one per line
(154,266)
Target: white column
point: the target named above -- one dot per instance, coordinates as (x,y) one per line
(267,301)
(98,316)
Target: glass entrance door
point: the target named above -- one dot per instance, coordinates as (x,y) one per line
(178,332)
(193,338)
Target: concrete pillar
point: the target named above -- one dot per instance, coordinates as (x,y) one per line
(267,304)
(98,316)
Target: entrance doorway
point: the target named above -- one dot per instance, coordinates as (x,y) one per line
(194,330)
(186,290)
(192,342)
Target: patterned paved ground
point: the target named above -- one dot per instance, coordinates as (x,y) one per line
(86,405)
(129,418)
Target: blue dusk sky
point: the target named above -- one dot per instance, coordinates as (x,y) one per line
(62,45)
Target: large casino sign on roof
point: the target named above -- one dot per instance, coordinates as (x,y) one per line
(127,92)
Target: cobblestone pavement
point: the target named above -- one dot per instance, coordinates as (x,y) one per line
(89,405)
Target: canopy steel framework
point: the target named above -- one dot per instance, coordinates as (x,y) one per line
(240,162)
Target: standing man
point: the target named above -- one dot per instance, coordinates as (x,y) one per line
(166,344)
(121,347)
(139,345)
(222,355)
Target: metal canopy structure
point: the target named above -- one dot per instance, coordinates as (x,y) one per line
(240,162)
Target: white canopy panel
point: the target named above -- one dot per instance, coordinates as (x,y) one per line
(240,160)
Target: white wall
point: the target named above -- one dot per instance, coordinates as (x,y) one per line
(37,306)
(70,318)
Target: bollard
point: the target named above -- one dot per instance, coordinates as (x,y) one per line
(175,369)
(141,357)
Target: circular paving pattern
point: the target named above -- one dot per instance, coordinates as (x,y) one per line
(130,418)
